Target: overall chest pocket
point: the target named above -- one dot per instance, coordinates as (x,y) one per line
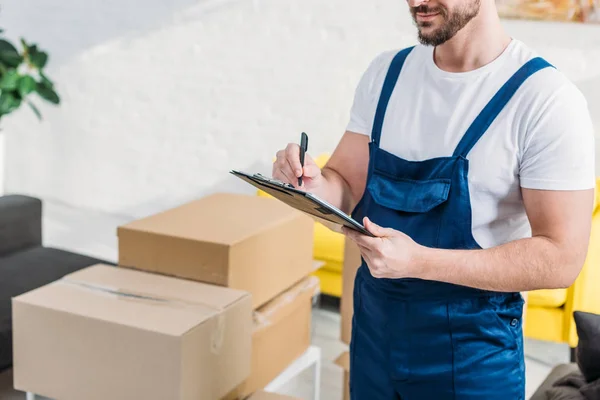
(409,206)
(410,196)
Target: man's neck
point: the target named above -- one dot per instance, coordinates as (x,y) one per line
(477,44)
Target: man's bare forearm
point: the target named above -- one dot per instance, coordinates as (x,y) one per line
(335,190)
(521,265)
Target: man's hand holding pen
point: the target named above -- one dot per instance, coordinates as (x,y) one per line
(288,167)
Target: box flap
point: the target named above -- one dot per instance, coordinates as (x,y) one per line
(343,361)
(262,395)
(134,298)
(275,310)
(223,218)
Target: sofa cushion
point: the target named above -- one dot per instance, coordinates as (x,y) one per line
(547,297)
(588,348)
(27,270)
(567,387)
(555,375)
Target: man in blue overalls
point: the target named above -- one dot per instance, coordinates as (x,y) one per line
(471,160)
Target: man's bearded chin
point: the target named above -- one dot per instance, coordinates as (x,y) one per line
(453,21)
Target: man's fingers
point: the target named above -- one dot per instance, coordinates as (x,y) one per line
(282,171)
(374,228)
(365,251)
(292,172)
(287,176)
(292,153)
(359,238)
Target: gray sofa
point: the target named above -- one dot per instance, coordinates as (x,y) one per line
(25,264)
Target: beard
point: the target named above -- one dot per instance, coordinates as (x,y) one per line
(453,21)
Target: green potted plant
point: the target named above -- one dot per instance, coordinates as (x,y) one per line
(21,77)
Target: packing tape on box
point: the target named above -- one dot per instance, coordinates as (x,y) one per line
(115,292)
(135,295)
(263,316)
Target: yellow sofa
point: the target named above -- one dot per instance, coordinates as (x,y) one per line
(549,314)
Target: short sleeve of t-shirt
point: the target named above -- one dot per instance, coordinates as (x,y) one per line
(367,93)
(559,153)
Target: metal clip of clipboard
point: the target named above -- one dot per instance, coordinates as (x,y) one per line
(272,180)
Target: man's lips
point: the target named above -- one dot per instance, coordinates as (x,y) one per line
(427,16)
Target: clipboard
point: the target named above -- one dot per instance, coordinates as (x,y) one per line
(303,201)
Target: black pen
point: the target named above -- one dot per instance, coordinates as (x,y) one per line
(303,149)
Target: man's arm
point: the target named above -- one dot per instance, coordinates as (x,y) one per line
(551,258)
(345,174)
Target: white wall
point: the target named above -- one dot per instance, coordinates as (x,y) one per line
(162,98)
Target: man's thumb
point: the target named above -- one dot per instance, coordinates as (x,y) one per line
(374,228)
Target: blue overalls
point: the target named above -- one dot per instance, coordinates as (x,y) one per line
(415,339)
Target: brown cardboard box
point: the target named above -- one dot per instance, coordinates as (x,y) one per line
(261,395)
(281,334)
(113,333)
(251,243)
(351,264)
(344,362)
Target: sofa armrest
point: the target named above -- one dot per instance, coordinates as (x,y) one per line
(583,294)
(20,223)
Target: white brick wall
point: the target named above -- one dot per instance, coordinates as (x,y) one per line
(162,98)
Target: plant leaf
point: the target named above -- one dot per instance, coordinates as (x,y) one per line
(46,81)
(12,60)
(35,110)
(38,59)
(47,93)
(10,80)
(26,85)
(7,46)
(9,102)
(9,54)
(24,44)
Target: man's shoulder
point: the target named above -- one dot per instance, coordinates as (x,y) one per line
(379,65)
(547,83)
(547,90)
(383,59)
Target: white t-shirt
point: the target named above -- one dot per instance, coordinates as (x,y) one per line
(543,139)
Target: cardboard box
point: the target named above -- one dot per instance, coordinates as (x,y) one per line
(344,362)
(352,262)
(112,333)
(261,395)
(281,334)
(251,243)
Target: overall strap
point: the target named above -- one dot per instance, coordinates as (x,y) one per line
(496,104)
(388,87)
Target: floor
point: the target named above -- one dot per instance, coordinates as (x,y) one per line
(94,234)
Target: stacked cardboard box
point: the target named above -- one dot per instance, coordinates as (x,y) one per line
(249,243)
(210,300)
(352,262)
(110,333)
(281,333)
